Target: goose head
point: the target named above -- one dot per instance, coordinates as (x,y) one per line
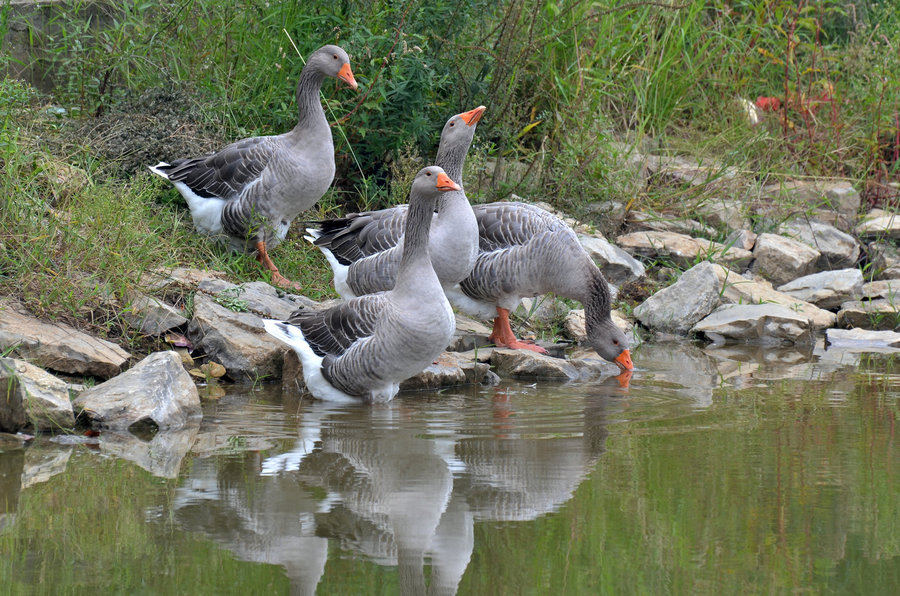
(430,182)
(456,138)
(334,62)
(609,342)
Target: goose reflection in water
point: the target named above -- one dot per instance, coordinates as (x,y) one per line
(402,483)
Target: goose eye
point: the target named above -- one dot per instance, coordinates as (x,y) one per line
(452,124)
(615,342)
(335,56)
(428,173)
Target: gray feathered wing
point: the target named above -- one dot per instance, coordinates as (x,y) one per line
(225,173)
(333,330)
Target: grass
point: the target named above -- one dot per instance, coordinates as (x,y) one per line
(571,89)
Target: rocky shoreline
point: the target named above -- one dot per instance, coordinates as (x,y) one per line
(800,280)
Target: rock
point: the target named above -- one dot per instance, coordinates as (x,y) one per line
(57,346)
(889,289)
(724,213)
(879,224)
(884,258)
(837,250)
(877,314)
(828,289)
(617,266)
(237,340)
(642,220)
(677,308)
(842,197)
(745,239)
(12,404)
(756,323)
(451,368)
(156,389)
(292,374)
(782,259)
(737,289)
(683,250)
(525,364)
(257,297)
(862,339)
(152,316)
(184,278)
(574,324)
(684,170)
(46,398)
(469,334)
(543,311)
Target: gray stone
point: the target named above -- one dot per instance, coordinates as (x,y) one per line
(682,250)
(12,398)
(737,289)
(842,197)
(236,340)
(256,297)
(724,213)
(451,368)
(877,314)
(837,250)
(677,308)
(642,220)
(879,224)
(768,324)
(684,170)
(741,239)
(469,334)
(525,364)
(152,316)
(57,346)
(862,338)
(889,289)
(46,398)
(616,264)
(782,259)
(156,389)
(576,329)
(828,289)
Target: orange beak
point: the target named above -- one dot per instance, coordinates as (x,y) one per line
(472,116)
(623,360)
(444,183)
(346,75)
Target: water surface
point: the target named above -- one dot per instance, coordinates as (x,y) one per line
(736,471)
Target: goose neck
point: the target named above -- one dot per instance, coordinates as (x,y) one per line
(452,160)
(309,105)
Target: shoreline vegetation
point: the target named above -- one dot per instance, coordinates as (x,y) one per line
(761,95)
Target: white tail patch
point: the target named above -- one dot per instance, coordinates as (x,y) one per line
(312,362)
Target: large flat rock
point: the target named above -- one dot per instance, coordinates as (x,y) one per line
(157,389)
(740,290)
(57,346)
(769,324)
(681,249)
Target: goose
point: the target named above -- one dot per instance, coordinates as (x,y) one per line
(364,249)
(527,251)
(252,189)
(361,349)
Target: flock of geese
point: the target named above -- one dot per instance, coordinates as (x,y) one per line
(398,269)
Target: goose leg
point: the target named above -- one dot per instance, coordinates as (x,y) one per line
(277,278)
(502,335)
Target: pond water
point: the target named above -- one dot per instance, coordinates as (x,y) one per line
(729,471)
